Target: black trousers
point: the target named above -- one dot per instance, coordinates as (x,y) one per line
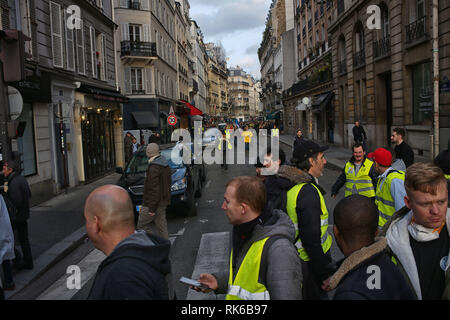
(311,289)
(21,229)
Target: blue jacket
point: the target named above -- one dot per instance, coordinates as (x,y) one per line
(135,270)
(369,274)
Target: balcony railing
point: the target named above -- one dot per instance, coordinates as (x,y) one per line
(343,67)
(138,49)
(382,48)
(416,31)
(359,59)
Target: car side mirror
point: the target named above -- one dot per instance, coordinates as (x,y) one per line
(119,170)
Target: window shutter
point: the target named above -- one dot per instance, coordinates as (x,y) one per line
(127,80)
(70,50)
(148,80)
(56,31)
(105,58)
(124,3)
(125,32)
(146,29)
(93,52)
(81,62)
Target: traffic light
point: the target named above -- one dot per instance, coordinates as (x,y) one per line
(16,129)
(12,54)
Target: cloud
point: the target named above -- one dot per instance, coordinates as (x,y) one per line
(231,16)
(252,49)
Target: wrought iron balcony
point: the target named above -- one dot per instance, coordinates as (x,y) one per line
(359,59)
(138,49)
(382,48)
(416,31)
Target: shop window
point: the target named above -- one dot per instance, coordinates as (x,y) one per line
(26,144)
(422,94)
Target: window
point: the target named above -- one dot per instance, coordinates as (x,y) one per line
(136,80)
(422,94)
(385,21)
(26,144)
(80,50)
(70,47)
(134,32)
(93,51)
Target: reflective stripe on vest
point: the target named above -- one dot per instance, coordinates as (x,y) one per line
(325,238)
(245,285)
(447,176)
(360,183)
(384,200)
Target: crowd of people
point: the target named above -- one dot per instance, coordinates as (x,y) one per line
(391,226)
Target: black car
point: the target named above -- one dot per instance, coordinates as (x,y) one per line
(187,179)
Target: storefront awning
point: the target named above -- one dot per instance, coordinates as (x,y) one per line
(145,119)
(103,94)
(321,101)
(194,110)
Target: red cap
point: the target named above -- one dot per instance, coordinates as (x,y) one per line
(382,156)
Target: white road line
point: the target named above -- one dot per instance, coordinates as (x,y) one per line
(88,267)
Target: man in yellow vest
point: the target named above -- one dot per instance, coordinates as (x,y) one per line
(275,131)
(390,191)
(307,209)
(264,263)
(359,175)
(224,145)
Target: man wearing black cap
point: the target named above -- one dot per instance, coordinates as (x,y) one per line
(306,208)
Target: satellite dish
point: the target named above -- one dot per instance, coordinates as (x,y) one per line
(15,103)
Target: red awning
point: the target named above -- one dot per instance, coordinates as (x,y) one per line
(194,110)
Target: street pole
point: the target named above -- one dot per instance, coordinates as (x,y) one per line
(435,147)
(4,118)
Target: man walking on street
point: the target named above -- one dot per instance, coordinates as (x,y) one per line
(137,263)
(359,135)
(298,139)
(19,193)
(402,149)
(263,263)
(419,240)
(156,193)
(359,175)
(307,209)
(390,191)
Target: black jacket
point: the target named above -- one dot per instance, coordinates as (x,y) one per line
(369,274)
(135,270)
(359,134)
(309,223)
(403,151)
(19,192)
(340,181)
(298,141)
(276,191)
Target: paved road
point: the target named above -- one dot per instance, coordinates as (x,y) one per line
(199,243)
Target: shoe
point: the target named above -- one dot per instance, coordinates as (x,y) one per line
(9,287)
(27,266)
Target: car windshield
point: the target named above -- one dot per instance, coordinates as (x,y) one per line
(175,161)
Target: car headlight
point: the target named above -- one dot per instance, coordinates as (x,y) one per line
(179,185)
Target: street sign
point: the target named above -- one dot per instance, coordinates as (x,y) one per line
(172,120)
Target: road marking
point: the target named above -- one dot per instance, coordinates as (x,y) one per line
(212,256)
(88,266)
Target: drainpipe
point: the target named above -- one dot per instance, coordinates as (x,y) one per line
(435,147)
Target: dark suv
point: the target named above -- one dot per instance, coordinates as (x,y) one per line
(187,179)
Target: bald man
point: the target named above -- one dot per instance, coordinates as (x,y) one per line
(137,263)
(366,273)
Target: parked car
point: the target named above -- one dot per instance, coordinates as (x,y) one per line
(187,179)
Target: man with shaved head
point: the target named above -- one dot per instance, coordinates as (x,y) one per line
(366,273)
(137,263)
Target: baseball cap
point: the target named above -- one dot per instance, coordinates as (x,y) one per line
(306,149)
(382,156)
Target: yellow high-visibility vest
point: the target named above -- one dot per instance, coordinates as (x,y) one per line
(383,198)
(360,183)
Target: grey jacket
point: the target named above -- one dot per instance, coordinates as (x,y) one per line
(282,273)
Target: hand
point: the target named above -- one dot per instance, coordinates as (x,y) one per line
(326,285)
(208,280)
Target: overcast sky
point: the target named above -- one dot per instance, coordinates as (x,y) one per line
(237,24)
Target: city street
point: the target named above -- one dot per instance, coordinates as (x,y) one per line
(195,240)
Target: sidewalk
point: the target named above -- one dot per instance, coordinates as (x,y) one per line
(56,227)
(336,156)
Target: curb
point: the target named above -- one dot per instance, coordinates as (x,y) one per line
(47,260)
